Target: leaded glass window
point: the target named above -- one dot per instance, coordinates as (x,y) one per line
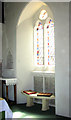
(44,44)
(38,44)
(50,43)
(43,15)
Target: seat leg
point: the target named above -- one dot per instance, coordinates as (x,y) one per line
(45,104)
(29,101)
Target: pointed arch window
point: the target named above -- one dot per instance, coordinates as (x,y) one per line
(44,44)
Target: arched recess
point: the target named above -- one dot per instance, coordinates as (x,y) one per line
(24,46)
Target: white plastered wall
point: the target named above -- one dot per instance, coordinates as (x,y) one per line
(24,58)
(61,16)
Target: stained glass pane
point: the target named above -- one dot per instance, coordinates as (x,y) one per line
(50,43)
(38,44)
(43,15)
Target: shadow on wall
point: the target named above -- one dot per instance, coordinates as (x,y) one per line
(0,80)
(9,71)
(9,60)
(0,69)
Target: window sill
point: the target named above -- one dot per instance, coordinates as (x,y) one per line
(43,72)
